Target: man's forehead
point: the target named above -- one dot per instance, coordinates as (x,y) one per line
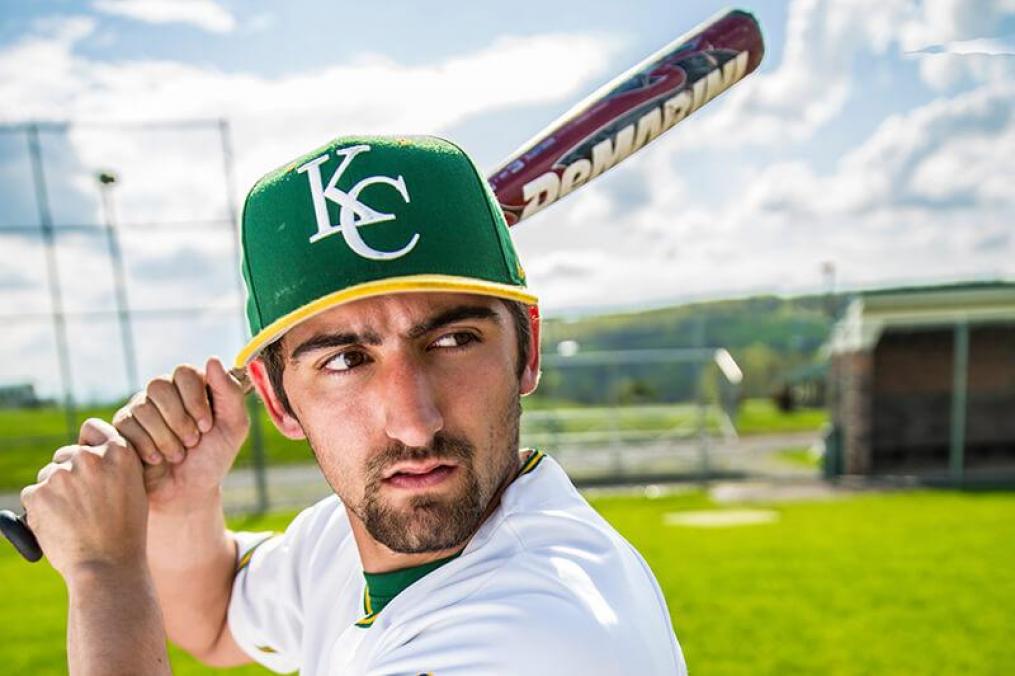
(390,313)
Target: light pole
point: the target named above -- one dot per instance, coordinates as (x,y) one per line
(107,180)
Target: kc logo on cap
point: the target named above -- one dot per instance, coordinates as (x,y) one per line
(414,213)
(353,214)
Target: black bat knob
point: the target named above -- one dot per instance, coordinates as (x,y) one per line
(21,536)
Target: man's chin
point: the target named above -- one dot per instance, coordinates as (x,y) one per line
(423,523)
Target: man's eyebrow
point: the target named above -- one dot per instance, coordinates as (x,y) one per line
(323,341)
(452,315)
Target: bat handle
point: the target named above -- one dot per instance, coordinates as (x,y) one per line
(240,374)
(21,536)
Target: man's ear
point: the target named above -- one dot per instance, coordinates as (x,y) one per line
(288,425)
(530,375)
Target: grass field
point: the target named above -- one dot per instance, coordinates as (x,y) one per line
(799,457)
(902,583)
(28,437)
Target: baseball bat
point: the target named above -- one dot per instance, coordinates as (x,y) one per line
(627,113)
(611,124)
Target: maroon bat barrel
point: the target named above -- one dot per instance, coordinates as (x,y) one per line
(627,113)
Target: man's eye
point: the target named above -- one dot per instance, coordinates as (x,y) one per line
(344,361)
(456,339)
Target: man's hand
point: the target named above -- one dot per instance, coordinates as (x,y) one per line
(187,428)
(88,509)
(89,513)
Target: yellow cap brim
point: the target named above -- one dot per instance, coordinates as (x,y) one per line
(409,284)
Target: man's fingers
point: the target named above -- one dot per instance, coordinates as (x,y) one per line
(165,396)
(194,393)
(27,494)
(165,441)
(64,453)
(95,432)
(49,469)
(137,437)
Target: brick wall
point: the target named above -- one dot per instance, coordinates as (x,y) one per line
(909,399)
(912,388)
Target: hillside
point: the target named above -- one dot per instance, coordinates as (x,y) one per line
(768,336)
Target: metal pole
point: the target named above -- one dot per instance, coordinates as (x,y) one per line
(960,381)
(616,445)
(106,182)
(257,454)
(699,372)
(53,281)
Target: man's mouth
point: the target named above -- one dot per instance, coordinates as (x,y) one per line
(415,475)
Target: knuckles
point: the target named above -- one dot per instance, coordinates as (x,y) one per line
(118,452)
(93,427)
(63,453)
(160,388)
(87,459)
(186,371)
(143,409)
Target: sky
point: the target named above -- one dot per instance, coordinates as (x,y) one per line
(877,135)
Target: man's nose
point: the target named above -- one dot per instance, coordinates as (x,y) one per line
(412,411)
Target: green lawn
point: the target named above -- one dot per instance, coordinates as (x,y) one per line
(799,457)
(29,437)
(760,416)
(907,583)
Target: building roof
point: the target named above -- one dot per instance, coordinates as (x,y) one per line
(870,313)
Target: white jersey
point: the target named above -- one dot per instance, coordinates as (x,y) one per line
(546,586)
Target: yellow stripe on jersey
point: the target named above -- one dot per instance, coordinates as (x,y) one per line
(249,554)
(366,621)
(368,609)
(266,649)
(532,462)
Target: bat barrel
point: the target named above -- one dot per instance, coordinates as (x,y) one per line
(627,113)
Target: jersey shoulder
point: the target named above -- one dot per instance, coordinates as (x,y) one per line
(551,587)
(530,632)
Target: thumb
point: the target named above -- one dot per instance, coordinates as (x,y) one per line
(225,392)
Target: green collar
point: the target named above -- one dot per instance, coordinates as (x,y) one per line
(382,587)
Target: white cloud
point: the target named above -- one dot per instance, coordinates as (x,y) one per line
(272,118)
(945,154)
(812,82)
(926,197)
(940,21)
(279,117)
(818,71)
(978,46)
(204,14)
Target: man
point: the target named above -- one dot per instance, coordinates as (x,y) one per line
(391,329)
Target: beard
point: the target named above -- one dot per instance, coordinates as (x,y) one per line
(425,523)
(438,521)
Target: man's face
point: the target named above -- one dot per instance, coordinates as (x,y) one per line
(411,404)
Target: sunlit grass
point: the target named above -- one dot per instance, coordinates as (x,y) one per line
(902,583)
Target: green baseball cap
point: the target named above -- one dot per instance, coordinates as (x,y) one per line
(368,216)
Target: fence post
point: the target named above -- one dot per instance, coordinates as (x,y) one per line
(699,371)
(257,454)
(53,281)
(960,381)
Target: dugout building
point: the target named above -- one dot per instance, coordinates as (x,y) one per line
(921,381)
